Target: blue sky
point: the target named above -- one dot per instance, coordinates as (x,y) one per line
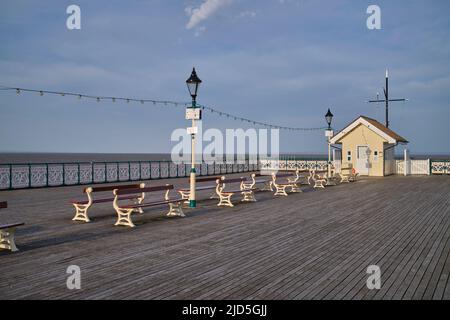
(283,62)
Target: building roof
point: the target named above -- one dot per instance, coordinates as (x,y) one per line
(377,127)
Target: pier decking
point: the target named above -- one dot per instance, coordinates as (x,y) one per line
(312,245)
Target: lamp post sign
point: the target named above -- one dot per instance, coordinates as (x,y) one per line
(192,130)
(193,113)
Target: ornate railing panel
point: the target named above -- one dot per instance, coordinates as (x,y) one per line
(164,170)
(145,171)
(55,175)
(85,173)
(440,166)
(112,172)
(283,165)
(5,177)
(39,176)
(99,172)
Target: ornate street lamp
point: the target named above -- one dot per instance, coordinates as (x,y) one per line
(329,135)
(193,83)
(329,118)
(193,113)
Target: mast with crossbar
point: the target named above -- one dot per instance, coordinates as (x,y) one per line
(386,98)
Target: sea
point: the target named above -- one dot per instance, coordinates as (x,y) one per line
(32,157)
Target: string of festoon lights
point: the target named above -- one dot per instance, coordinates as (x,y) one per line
(157,102)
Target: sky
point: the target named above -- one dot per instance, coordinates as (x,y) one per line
(282,62)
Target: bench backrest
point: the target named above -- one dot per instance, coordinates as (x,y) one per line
(269,174)
(234,180)
(222,182)
(283,175)
(3,205)
(143,190)
(111,188)
(206,179)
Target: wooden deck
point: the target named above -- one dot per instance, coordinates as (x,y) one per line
(312,245)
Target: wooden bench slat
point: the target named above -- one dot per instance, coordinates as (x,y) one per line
(233,191)
(143,190)
(228,181)
(102,200)
(111,188)
(11,225)
(151,204)
(198,188)
(207,179)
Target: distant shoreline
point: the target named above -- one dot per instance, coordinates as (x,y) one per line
(32,157)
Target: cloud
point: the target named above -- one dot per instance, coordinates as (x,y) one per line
(199,31)
(206,10)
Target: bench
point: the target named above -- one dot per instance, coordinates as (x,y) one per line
(304,177)
(124,211)
(280,188)
(294,180)
(267,179)
(82,206)
(7,232)
(334,179)
(255,179)
(185,192)
(225,195)
(318,178)
(347,175)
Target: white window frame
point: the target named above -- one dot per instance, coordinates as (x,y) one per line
(376,155)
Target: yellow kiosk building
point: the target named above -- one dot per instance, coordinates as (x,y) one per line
(367,146)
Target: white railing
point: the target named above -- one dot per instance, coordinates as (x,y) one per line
(337,165)
(283,165)
(413,167)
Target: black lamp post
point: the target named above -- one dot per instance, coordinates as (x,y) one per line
(329,134)
(329,118)
(193,83)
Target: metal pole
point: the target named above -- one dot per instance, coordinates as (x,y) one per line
(329,158)
(387,98)
(192,201)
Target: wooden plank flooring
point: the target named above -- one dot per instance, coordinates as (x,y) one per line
(312,245)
